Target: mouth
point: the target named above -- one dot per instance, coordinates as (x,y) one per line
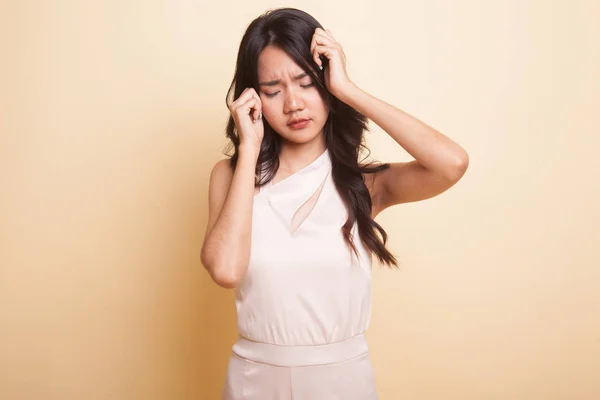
(299,123)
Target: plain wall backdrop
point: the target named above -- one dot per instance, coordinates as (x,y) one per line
(112,114)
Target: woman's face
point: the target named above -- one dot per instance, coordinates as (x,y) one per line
(287,93)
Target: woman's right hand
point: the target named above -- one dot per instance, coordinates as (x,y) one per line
(246,111)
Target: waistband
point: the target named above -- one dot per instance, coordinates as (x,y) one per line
(305,355)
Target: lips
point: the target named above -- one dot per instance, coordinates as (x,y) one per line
(297,121)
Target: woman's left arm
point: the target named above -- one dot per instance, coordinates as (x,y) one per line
(439,162)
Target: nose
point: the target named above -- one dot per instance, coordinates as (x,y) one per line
(293,102)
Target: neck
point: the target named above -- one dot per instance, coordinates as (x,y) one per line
(294,157)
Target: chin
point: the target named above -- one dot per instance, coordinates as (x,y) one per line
(300,137)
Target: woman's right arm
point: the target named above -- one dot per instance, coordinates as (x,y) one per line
(226,248)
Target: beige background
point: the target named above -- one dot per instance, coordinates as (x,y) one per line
(112,114)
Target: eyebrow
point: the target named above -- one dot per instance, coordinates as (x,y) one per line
(276,82)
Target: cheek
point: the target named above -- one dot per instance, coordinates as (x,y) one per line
(318,105)
(272,112)
(269,112)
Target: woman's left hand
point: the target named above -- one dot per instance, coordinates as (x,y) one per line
(336,77)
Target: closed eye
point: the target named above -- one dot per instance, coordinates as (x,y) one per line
(302,86)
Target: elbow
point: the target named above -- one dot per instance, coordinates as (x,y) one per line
(459,167)
(225,281)
(219,272)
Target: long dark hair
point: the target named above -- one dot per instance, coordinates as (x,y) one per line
(291,30)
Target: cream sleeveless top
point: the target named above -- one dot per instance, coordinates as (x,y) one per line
(304,285)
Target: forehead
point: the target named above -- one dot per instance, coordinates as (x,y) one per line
(275,63)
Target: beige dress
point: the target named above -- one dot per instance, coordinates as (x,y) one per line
(305,302)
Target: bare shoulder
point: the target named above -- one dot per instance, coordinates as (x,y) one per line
(218,187)
(221,172)
(220,181)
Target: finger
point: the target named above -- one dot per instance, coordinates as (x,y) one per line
(257,113)
(321,31)
(320,40)
(244,96)
(316,53)
(246,108)
(327,51)
(240,100)
(249,92)
(320,37)
(255,104)
(313,44)
(324,35)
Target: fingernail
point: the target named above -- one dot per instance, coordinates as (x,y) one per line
(260,115)
(321,67)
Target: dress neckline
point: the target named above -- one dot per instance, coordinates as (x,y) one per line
(289,194)
(321,162)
